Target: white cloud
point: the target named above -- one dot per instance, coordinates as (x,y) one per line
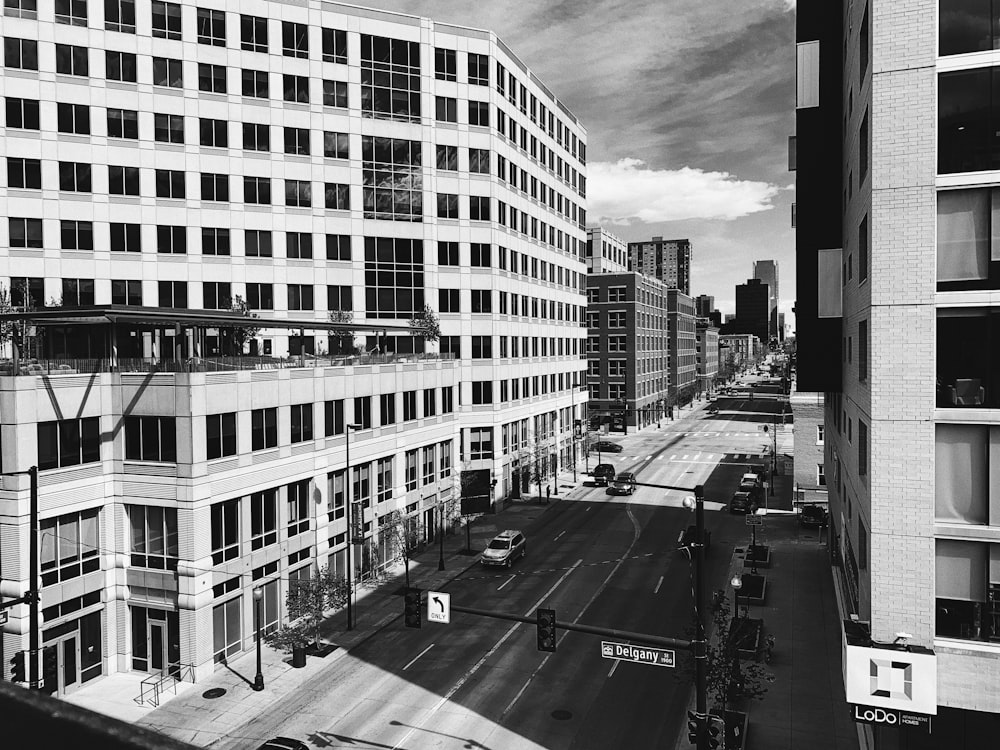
(627,191)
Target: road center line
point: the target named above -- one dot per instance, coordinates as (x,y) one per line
(559,535)
(476,667)
(506,582)
(417,657)
(658,584)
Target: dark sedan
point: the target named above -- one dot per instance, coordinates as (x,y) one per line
(813,515)
(606,446)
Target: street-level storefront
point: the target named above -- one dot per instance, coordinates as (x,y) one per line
(71,650)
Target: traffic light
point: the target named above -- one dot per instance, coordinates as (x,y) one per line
(545,620)
(17,673)
(713,735)
(693,727)
(50,670)
(411,612)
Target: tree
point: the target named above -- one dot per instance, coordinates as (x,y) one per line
(6,326)
(426,324)
(239,335)
(344,336)
(400,532)
(307,601)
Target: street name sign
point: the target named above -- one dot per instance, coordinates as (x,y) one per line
(754,520)
(438,607)
(658,657)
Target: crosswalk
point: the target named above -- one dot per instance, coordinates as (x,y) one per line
(696,457)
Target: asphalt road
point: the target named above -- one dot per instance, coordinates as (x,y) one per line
(597,560)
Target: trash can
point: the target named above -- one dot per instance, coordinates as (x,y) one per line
(298,656)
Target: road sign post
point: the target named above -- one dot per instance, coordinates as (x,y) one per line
(438,607)
(657,657)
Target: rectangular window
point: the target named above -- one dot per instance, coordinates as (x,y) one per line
(217,295)
(77,292)
(24,173)
(20,53)
(479,208)
(479,114)
(363,412)
(294,39)
(429,472)
(295,88)
(807,74)
(171,240)
(120,66)
(444,64)
(411,470)
(68,442)
(215,187)
(447,158)
(125,238)
(168,72)
(390,78)
(22,113)
(74,177)
(383,477)
(430,402)
(820,476)
(337,196)
(256,83)
(253,33)
(479,160)
(482,392)
(444,459)
(298,246)
(392,179)
(151,439)
(862,448)
(448,300)
(820,436)
(153,536)
(73,118)
(394,277)
(263,519)
(447,206)
(361,484)
(257,244)
(479,69)
(123,123)
(298,507)
(76,235)
(409,405)
(263,428)
(72,12)
(335,46)
(25,232)
(69,546)
(447,253)
(211,27)
(300,296)
(447,400)
(168,128)
(260,296)
(298,193)
(225,531)
(336,145)
(257,190)
(445,109)
(480,443)
(169,183)
(482,301)
(335,94)
(220,435)
(863,150)
(333,417)
(166,20)
(212,78)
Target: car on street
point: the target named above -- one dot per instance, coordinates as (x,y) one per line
(623,484)
(603,474)
(813,515)
(606,446)
(742,502)
(506,547)
(688,537)
(284,743)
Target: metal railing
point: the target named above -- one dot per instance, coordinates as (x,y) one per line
(64,366)
(151,688)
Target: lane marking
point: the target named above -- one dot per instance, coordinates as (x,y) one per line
(658,584)
(506,582)
(414,659)
(559,535)
(476,667)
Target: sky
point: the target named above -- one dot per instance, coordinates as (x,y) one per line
(688,105)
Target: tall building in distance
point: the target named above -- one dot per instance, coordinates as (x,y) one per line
(767,272)
(896,265)
(753,309)
(606,253)
(666,260)
(704,304)
(312,159)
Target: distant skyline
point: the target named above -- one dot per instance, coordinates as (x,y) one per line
(688,107)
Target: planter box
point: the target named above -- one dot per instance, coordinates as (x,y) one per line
(759,555)
(746,635)
(754,589)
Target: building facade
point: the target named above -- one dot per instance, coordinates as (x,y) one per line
(895,182)
(666,260)
(606,253)
(767,272)
(752,309)
(744,348)
(706,354)
(809,434)
(627,350)
(682,348)
(704,304)
(320,162)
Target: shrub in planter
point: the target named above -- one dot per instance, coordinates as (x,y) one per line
(307,602)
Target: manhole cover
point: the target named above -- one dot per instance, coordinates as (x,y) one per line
(214,693)
(561,714)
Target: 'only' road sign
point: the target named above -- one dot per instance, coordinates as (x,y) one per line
(438,607)
(659,657)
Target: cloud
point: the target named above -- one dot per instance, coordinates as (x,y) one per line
(627,191)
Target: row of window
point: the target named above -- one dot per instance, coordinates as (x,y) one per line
(483,391)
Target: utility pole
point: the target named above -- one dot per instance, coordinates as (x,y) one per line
(31,596)
(701,642)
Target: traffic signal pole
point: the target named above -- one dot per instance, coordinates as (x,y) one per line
(700,645)
(33,597)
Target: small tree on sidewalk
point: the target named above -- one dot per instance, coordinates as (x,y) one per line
(308,600)
(403,537)
(729,677)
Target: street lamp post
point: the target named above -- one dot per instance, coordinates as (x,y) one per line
(258,601)
(700,643)
(349,492)
(737,584)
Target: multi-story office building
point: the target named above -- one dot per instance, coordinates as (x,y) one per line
(626,349)
(666,260)
(809,436)
(312,159)
(704,304)
(753,309)
(706,353)
(745,348)
(682,344)
(767,272)
(896,280)
(606,253)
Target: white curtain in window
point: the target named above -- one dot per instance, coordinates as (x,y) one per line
(961,474)
(961,570)
(963,237)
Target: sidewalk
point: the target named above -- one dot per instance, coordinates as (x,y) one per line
(192,717)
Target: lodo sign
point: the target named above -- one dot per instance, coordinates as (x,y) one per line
(889,717)
(891,679)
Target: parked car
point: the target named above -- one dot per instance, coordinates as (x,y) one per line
(284,743)
(506,547)
(813,515)
(623,484)
(603,474)
(742,502)
(687,539)
(606,446)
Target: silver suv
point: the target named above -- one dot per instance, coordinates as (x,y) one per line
(505,548)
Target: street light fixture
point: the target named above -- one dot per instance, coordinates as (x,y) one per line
(737,584)
(349,492)
(258,601)
(697,503)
